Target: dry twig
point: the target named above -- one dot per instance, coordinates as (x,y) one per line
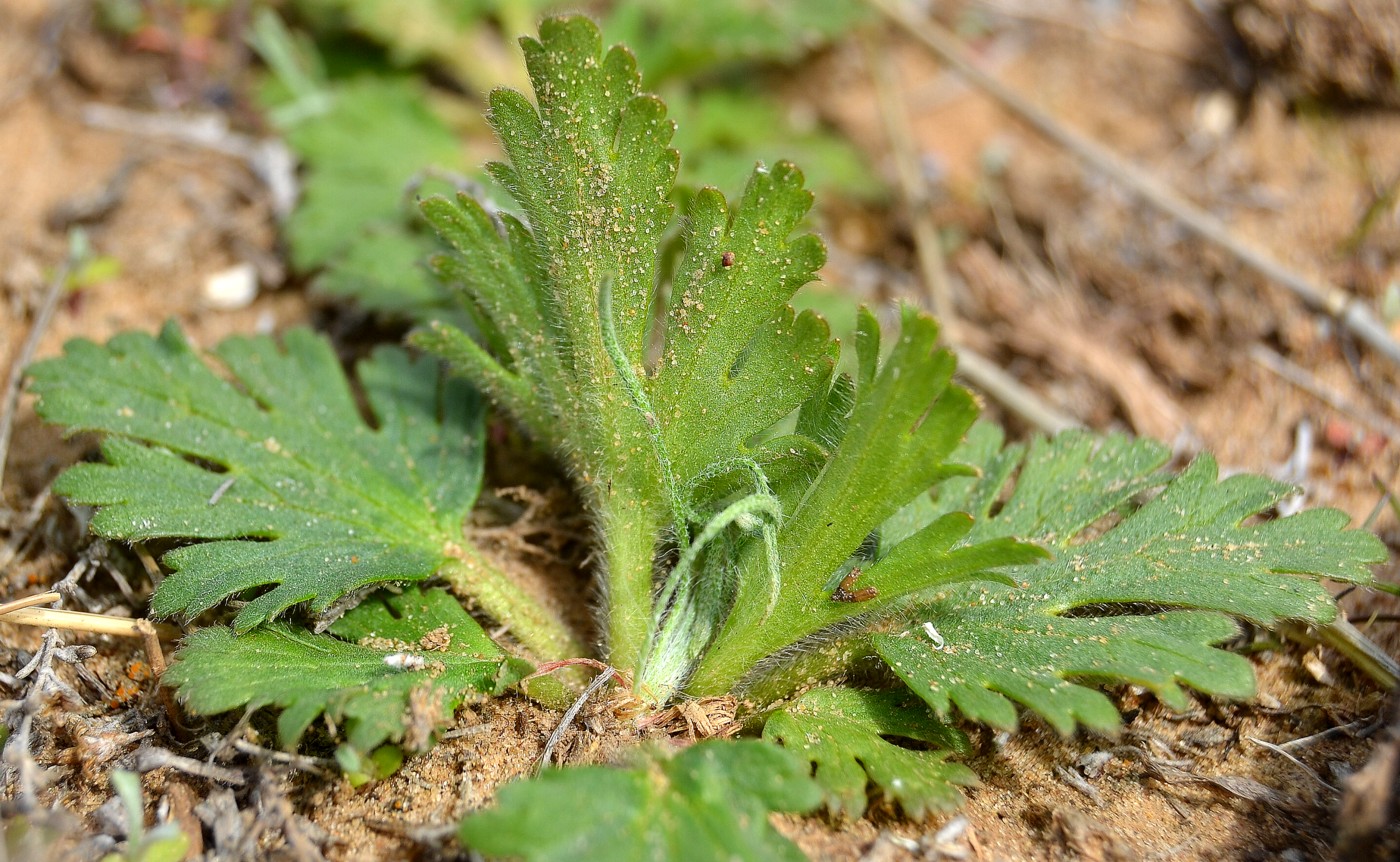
(20,768)
(1077,781)
(315,765)
(269,159)
(1299,377)
(26,353)
(21,526)
(1351,729)
(148,759)
(980,371)
(274,802)
(29,602)
(1317,295)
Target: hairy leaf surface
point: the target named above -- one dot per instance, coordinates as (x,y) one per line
(711,801)
(273,462)
(843,733)
(906,419)
(1145,599)
(733,348)
(648,388)
(395,662)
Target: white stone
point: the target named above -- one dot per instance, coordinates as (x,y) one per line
(232,288)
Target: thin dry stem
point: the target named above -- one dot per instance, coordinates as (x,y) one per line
(1299,377)
(150,633)
(912,184)
(98,624)
(29,602)
(42,320)
(980,371)
(1316,294)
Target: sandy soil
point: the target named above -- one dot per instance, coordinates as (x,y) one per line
(1105,307)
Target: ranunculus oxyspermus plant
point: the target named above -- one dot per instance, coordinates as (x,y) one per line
(765,526)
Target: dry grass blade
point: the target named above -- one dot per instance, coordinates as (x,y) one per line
(598,682)
(1280,750)
(150,633)
(1348,640)
(1234,785)
(152,758)
(29,602)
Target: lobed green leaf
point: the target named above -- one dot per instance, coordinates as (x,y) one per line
(1143,601)
(591,169)
(274,463)
(679,39)
(843,732)
(395,662)
(905,421)
(711,801)
(352,218)
(736,359)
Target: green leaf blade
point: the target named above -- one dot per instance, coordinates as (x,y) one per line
(302,492)
(395,133)
(905,422)
(842,733)
(731,343)
(385,656)
(1146,601)
(592,169)
(711,801)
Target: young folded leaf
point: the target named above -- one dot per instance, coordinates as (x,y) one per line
(905,421)
(276,466)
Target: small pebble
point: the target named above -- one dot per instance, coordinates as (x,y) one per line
(232,288)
